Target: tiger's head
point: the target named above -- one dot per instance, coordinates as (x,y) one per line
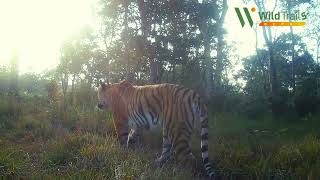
(107,91)
(104,96)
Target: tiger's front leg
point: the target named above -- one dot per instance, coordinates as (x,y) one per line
(121,130)
(133,140)
(166,149)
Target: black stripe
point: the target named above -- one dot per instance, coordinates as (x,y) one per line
(199,106)
(210,171)
(188,128)
(157,101)
(144,119)
(185,132)
(153,119)
(131,117)
(194,95)
(185,92)
(189,102)
(134,118)
(141,113)
(192,111)
(187,120)
(150,105)
(137,119)
(177,91)
(166,153)
(152,116)
(208,168)
(137,98)
(160,96)
(167,146)
(182,149)
(204,136)
(181,141)
(177,139)
(206,161)
(204,148)
(170,120)
(166,108)
(205,125)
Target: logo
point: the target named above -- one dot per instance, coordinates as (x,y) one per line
(246,11)
(271,18)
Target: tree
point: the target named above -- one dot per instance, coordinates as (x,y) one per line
(312,33)
(220,46)
(276,100)
(4,80)
(205,24)
(256,68)
(14,74)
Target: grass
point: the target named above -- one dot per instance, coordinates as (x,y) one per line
(84,146)
(80,156)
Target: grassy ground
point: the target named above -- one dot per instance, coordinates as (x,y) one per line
(37,146)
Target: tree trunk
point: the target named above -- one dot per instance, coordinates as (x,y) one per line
(203,26)
(293,81)
(219,64)
(73,88)
(276,101)
(260,60)
(317,59)
(274,84)
(145,27)
(14,76)
(318,51)
(64,86)
(129,73)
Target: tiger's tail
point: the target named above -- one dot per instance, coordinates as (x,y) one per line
(204,140)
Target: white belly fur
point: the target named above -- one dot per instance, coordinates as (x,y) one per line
(153,122)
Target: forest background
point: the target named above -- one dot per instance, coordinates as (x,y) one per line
(264,99)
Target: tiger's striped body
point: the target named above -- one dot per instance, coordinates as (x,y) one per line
(176,108)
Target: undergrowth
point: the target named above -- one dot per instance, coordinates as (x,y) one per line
(84,146)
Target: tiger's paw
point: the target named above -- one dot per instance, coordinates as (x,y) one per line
(160,161)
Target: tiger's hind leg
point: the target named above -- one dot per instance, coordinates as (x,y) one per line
(181,147)
(166,149)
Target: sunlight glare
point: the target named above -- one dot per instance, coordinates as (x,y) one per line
(36,29)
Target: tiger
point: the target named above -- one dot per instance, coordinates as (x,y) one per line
(176,108)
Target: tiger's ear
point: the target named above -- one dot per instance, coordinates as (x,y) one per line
(103,85)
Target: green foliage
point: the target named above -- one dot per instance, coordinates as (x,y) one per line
(264,149)
(10,111)
(11,162)
(4,79)
(298,95)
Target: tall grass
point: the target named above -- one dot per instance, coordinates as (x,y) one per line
(82,144)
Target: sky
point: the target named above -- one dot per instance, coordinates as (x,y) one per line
(35,29)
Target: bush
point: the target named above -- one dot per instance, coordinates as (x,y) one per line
(10,111)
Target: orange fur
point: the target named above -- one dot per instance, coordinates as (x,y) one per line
(175,107)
